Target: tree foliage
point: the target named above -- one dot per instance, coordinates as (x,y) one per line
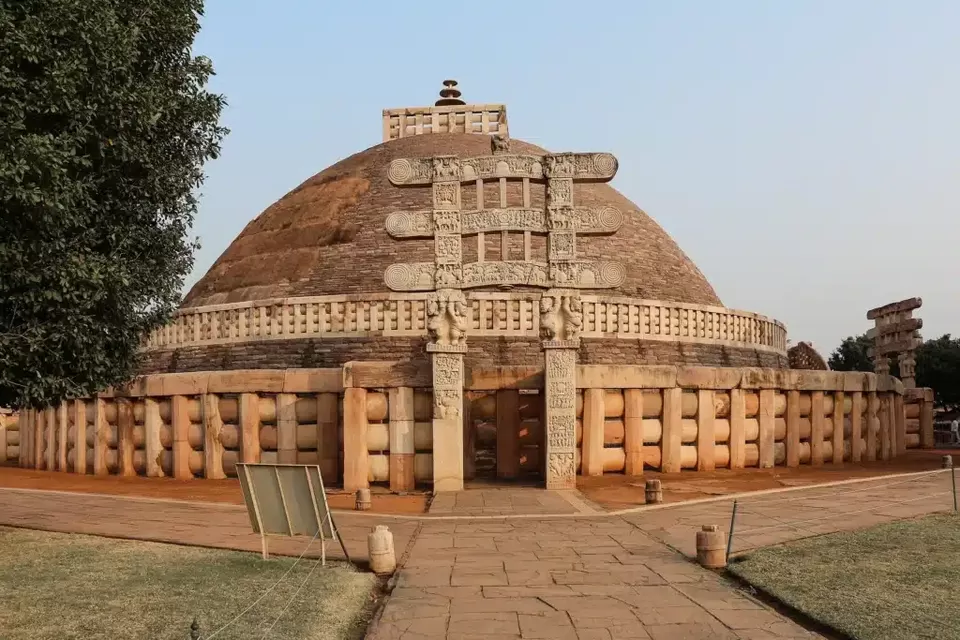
(105,124)
(851,355)
(938,364)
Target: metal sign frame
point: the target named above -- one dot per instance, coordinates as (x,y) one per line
(288,500)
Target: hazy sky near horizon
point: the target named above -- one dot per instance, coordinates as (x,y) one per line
(805,154)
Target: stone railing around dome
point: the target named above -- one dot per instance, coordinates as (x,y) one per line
(490,314)
(370,422)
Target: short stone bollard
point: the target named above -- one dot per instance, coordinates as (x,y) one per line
(947,462)
(383,558)
(654,492)
(363,499)
(711,547)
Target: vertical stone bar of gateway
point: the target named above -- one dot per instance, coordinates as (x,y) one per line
(561,416)
(447,365)
(401,439)
(101,438)
(39,421)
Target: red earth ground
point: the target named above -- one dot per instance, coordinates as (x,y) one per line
(611,491)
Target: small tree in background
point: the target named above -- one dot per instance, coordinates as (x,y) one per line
(938,367)
(851,355)
(105,125)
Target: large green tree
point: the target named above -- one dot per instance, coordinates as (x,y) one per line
(105,124)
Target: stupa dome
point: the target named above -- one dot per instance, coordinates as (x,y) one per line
(342,268)
(328,236)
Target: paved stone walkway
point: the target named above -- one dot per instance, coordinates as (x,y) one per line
(510,501)
(471,573)
(557,579)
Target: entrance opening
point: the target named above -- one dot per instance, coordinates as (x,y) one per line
(503,437)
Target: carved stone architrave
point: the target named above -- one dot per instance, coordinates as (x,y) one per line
(590,167)
(581,220)
(560,360)
(569,274)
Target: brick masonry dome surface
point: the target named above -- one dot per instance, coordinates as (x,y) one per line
(327,236)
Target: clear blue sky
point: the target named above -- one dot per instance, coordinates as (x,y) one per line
(805,154)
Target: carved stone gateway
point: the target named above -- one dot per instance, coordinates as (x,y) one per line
(896,331)
(561,312)
(560,320)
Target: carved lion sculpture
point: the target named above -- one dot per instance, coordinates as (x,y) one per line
(804,356)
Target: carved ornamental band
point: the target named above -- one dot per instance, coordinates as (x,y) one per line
(592,220)
(579,166)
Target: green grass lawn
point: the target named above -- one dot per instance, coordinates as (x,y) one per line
(892,581)
(58,587)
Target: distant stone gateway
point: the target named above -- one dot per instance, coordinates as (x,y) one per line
(454,302)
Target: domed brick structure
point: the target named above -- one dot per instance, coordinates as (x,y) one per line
(452,304)
(307,282)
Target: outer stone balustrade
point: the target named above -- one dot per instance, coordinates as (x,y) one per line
(489,314)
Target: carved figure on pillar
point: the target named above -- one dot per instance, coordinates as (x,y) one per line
(561,317)
(447,318)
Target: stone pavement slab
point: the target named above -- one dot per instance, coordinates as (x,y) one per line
(577,578)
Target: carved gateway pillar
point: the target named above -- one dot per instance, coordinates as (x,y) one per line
(561,317)
(446,276)
(446,321)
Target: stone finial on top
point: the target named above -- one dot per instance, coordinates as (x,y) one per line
(449,95)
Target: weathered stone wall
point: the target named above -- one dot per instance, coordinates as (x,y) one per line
(311,353)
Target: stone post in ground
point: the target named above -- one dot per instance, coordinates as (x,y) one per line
(561,316)
(447,324)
